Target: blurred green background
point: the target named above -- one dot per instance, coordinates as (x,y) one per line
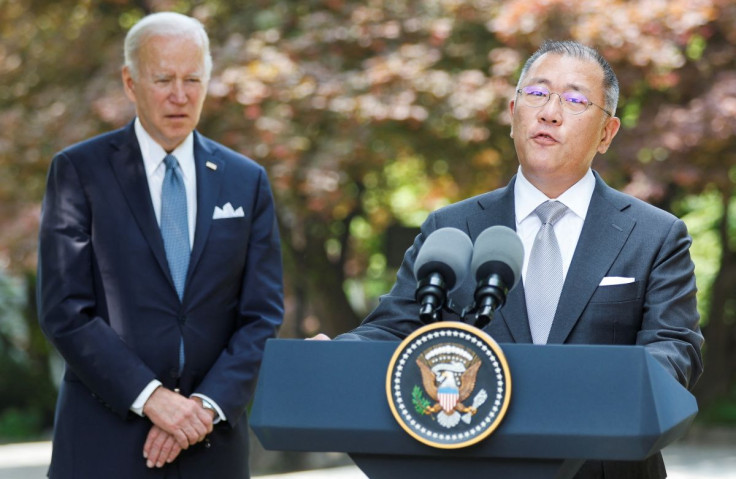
(369,114)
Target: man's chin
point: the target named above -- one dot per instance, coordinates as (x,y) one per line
(541,166)
(174,136)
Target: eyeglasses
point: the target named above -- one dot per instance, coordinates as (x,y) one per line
(571,101)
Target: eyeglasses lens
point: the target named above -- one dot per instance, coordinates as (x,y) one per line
(573,101)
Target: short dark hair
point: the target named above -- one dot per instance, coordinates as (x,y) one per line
(584,52)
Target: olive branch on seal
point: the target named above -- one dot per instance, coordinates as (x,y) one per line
(421,403)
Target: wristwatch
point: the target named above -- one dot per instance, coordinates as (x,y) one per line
(208,405)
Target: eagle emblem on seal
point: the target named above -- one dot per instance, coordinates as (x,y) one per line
(449,374)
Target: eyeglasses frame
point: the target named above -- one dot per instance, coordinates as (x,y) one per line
(549,97)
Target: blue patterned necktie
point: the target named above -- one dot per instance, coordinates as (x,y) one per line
(175,230)
(174,224)
(543,283)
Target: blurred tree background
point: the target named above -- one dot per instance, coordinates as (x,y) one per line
(368,115)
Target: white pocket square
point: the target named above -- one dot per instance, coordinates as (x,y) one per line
(614,280)
(227,211)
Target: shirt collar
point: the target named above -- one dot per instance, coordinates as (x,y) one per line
(577,198)
(153,154)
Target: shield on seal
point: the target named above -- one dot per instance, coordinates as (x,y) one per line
(447,397)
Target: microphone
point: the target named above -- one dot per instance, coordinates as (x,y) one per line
(442,263)
(498,256)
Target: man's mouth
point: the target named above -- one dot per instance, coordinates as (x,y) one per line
(544,137)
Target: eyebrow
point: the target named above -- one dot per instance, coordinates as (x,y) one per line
(166,76)
(569,86)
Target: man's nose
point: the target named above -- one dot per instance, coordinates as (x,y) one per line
(551,111)
(178,93)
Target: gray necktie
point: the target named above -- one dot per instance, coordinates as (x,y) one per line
(175,230)
(544,274)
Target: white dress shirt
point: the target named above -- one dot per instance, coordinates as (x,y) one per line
(153,162)
(567,229)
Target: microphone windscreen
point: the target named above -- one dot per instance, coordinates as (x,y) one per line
(498,250)
(446,251)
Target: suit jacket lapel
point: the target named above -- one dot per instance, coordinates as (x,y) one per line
(604,233)
(127,163)
(209,183)
(498,209)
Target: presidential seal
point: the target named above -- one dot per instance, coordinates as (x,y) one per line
(448,385)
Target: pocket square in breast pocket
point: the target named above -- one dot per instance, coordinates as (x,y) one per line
(614,280)
(227,211)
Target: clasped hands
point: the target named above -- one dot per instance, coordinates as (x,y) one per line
(178,422)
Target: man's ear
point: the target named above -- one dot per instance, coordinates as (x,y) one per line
(512,105)
(609,131)
(128,84)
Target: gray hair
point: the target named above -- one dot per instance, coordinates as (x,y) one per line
(583,52)
(164,24)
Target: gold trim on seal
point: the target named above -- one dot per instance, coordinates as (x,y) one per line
(485,338)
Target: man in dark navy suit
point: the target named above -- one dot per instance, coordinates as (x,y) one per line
(159,278)
(625,274)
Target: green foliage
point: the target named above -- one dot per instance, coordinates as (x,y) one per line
(13,331)
(722,412)
(696,47)
(27,401)
(701,213)
(421,403)
(19,425)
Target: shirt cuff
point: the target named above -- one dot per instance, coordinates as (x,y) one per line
(220,416)
(140,401)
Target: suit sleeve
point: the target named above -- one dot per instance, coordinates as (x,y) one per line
(70,301)
(397,314)
(231,380)
(670,329)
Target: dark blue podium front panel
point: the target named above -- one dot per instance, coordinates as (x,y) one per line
(567,402)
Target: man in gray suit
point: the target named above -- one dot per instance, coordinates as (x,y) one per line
(625,276)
